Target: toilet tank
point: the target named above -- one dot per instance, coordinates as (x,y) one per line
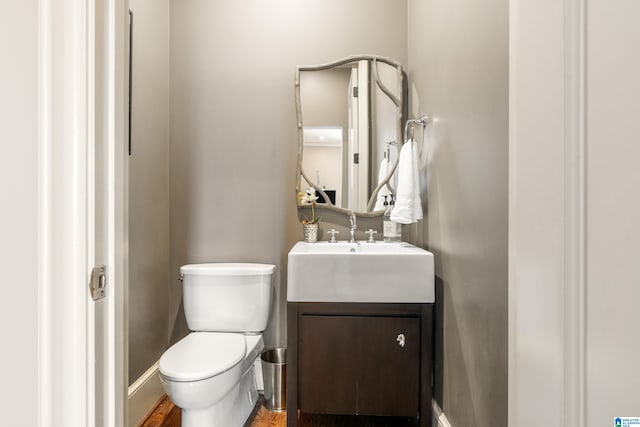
(227,297)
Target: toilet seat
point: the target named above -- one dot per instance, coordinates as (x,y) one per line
(202,355)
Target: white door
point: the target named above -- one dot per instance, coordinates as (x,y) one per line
(362,176)
(110,171)
(101,298)
(359,137)
(352,171)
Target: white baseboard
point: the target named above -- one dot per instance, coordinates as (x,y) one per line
(439,419)
(144,393)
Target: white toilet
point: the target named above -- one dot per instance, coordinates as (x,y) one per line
(210,373)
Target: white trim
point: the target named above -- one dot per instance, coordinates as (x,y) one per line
(144,394)
(45,357)
(66,238)
(92,335)
(547,213)
(439,418)
(575,211)
(63,368)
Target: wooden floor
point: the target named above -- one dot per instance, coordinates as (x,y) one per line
(166,414)
(265,418)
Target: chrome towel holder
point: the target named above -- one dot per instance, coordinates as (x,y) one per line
(409,125)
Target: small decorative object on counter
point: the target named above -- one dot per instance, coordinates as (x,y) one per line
(310,232)
(310,226)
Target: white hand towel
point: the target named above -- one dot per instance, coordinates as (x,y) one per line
(384,191)
(408,208)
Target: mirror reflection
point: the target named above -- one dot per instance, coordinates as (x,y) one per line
(349,122)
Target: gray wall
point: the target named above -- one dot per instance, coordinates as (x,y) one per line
(233,124)
(458,72)
(233,156)
(324,97)
(149,264)
(19,215)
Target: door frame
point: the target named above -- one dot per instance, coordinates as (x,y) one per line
(547,213)
(66,237)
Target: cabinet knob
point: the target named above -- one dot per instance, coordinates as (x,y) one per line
(401,340)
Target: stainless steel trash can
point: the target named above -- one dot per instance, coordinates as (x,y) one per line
(274,372)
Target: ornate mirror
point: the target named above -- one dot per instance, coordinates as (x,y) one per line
(350,115)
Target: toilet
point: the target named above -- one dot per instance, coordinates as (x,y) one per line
(212,373)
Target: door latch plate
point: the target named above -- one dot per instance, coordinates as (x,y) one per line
(98,284)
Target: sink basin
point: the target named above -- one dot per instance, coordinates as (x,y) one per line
(394,272)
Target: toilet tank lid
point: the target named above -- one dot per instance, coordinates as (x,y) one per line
(228,269)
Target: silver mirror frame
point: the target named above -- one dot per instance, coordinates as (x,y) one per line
(397,100)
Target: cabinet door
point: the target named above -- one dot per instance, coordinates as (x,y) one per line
(328,365)
(390,369)
(356,365)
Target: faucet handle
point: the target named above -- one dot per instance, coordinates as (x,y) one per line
(333,233)
(371,232)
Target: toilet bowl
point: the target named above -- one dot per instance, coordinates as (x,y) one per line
(211,374)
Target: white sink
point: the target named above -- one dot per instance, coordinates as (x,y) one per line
(383,272)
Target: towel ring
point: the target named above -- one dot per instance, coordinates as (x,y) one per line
(409,126)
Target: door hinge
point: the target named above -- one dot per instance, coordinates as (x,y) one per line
(356,158)
(355,91)
(98,285)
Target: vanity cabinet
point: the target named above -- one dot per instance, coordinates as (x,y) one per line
(359,359)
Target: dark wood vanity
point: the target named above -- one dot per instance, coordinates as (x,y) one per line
(346,357)
(359,359)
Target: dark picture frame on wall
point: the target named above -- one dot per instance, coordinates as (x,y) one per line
(130,76)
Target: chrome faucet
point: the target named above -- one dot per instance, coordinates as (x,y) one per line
(354,226)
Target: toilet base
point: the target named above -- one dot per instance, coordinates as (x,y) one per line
(233,410)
